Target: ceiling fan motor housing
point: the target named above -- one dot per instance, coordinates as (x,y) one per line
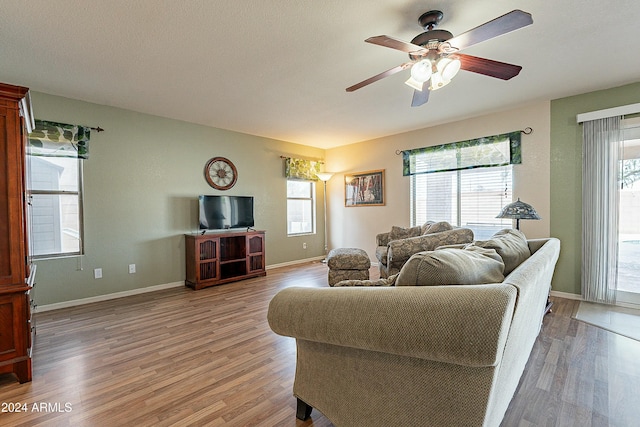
(430,40)
(429,20)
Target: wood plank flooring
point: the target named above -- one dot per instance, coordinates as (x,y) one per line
(180,357)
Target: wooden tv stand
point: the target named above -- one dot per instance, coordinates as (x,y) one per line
(216,258)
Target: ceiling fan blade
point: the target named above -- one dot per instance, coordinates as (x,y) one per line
(488,67)
(420,97)
(387,41)
(504,24)
(379,76)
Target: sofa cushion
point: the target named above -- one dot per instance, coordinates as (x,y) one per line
(511,245)
(431,227)
(401,250)
(348,259)
(468,266)
(398,233)
(381,254)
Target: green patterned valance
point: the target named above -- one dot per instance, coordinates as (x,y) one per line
(301,169)
(53,139)
(497,150)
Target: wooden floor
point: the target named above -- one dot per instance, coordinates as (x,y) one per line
(208,358)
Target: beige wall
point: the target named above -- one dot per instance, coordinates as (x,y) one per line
(145,173)
(141,186)
(357,226)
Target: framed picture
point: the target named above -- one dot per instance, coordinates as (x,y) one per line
(364,188)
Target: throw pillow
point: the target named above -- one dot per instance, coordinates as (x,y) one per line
(398,233)
(431,227)
(469,266)
(389,281)
(511,245)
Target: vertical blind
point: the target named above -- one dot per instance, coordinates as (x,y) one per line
(601,155)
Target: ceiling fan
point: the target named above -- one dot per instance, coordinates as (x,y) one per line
(435,58)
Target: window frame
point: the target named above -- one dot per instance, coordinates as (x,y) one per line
(313,207)
(79,194)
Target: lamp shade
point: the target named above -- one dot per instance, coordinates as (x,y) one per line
(448,67)
(437,81)
(324,176)
(421,71)
(518,210)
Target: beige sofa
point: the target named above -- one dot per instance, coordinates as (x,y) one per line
(415,355)
(395,247)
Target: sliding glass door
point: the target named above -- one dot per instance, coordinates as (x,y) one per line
(629,220)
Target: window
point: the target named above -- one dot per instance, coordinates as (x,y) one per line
(54,181)
(469,198)
(55,185)
(300,207)
(465,183)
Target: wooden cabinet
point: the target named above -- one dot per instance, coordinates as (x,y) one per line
(217,258)
(15,274)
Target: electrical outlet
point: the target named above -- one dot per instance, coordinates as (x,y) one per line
(97,273)
(304,245)
(132,268)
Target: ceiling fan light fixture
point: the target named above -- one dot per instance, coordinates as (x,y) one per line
(421,71)
(434,57)
(437,81)
(411,82)
(448,67)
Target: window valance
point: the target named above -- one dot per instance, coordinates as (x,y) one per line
(496,150)
(301,169)
(53,139)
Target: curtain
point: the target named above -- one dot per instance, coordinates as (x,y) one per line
(602,144)
(489,151)
(53,139)
(301,169)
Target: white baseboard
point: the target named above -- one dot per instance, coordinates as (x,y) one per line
(579,298)
(299,261)
(628,305)
(82,301)
(566,295)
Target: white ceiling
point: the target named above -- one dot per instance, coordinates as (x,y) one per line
(279,68)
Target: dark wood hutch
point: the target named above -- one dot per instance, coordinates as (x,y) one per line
(16,272)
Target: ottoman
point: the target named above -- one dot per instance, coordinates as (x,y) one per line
(347,264)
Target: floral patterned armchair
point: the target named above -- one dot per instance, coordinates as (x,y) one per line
(395,247)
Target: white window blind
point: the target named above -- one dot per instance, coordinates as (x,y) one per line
(469,198)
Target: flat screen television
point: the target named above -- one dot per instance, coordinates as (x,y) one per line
(225,212)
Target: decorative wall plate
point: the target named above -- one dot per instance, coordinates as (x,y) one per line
(220,173)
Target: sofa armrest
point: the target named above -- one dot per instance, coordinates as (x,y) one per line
(382,239)
(401,250)
(535,244)
(465,325)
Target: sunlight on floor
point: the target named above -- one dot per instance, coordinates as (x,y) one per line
(620,320)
